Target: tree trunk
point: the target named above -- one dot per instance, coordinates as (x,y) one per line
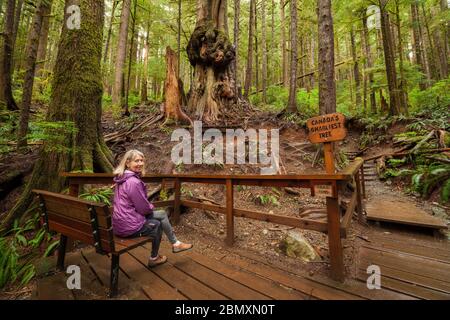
(108,38)
(32,46)
(255,15)
(272,68)
(285,77)
(173,91)
(327,84)
(432,60)
(389,59)
(248,70)
(403,95)
(77,143)
(6,96)
(236,45)
(132,57)
(264,51)
(18,15)
(178,39)
(446,32)
(356,74)
(418,44)
(211,54)
(43,39)
(292,102)
(121,53)
(369,65)
(440,44)
(144,96)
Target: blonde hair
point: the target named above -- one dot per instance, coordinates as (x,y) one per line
(130,155)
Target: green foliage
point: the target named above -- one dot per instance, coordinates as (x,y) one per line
(54,134)
(396,162)
(164,195)
(18,248)
(427,178)
(270,199)
(102,195)
(8,120)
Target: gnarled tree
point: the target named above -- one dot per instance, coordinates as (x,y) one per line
(76,100)
(211,54)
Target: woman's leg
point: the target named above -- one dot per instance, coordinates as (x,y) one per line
(162,217)
(151,228)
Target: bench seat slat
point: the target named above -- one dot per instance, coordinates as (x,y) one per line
(77,234)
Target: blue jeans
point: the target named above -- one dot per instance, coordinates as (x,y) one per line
(161,216)
(151,228)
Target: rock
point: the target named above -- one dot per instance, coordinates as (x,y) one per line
(265,231)
(439,212)
(294,245)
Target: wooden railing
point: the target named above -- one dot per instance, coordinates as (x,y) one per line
(335,226)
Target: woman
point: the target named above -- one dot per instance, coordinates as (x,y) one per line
(133,214)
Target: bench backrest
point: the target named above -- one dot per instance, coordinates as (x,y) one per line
(78,219)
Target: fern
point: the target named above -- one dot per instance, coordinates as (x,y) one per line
(445,193)
(102,195)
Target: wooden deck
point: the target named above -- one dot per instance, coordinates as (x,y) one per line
(416,265)
(192,276)
(396,211)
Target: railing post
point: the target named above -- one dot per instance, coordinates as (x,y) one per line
(334,239)
(229,212)
(363,181)
(359,207)
(177,201)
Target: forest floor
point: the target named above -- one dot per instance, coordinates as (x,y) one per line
(206,230)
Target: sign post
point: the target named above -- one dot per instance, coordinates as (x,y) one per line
(327,129)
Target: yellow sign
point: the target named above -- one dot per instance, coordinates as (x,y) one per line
(327,128)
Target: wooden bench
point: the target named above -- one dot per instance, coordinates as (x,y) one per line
(88,222)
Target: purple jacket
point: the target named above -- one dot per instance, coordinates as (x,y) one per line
(130,204)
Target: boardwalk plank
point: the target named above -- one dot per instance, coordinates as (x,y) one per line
(188,286)
(304,285)
(102,266)
(153,286)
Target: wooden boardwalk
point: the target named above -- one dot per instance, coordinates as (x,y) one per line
(416,265)
(394,210)
(193,276)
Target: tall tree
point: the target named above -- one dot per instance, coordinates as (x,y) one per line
(264,51)
(121,54)
(108,37)
(43,39)
(284,72)
(356,74)
(81,148)
(292,102)
(389,59)
(131,58)
(368,65)
(248,69)
(327,84)
(42,7)
(418,43)
(237,6)
(211,54)
(403,95)
(6,56)
(144,82)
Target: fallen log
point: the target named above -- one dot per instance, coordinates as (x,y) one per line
(403,154)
